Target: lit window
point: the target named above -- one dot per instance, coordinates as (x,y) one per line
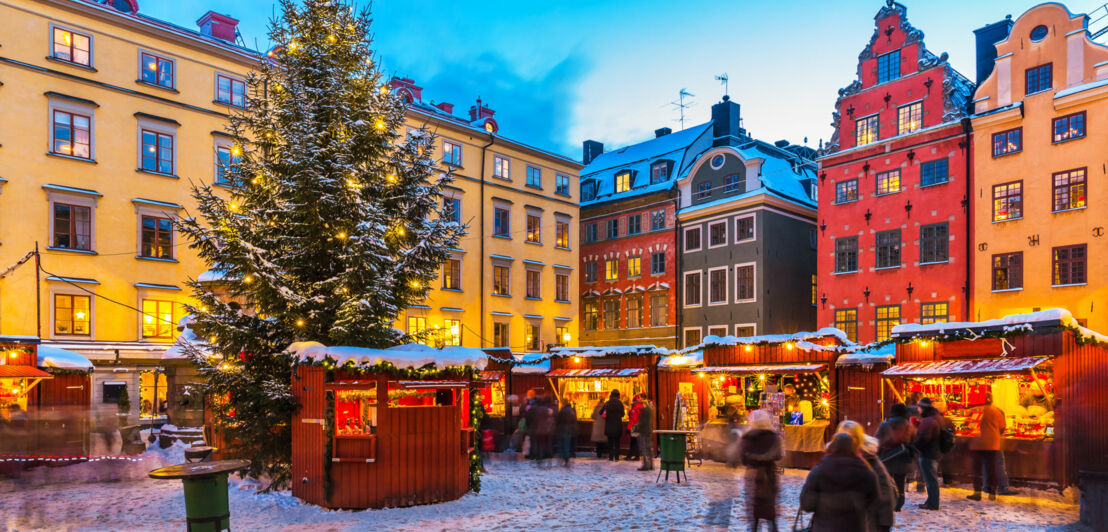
(888,182)
(157,238)
(611,269)
(72,135)
(934,313)
(453,332)
(500,281)
(417,325)
(865,130)
(157,152)
(72,314)
(532,338)
(1069,265)
(561,234)
(1008,271)
(591,316)
(1007,201)
(1069,190)
(623,182)
(534,228)
(909,118)
(73,47)
(634,266)
(157,319)
(1069,127)
(886,317)
(157,70)
(846,320)
(1006,142)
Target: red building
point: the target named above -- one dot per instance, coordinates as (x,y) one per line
(894,186)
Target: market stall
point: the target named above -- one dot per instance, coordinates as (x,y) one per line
(1043,370)
(384,427)
(859,391)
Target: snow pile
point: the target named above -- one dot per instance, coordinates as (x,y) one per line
(688,360)
(211,276)
(868,355)
(54,357)
(410,355)
(604,351)
(801,339)
(185,341)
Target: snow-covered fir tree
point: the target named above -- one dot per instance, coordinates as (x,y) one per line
(332,228)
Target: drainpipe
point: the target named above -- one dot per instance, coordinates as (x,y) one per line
(481,336)
(678,277)
(967,153)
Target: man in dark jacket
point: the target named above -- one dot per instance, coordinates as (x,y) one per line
(645,429)
(927,442)
(840,490)
(565,430)
(894,438)
(613,424)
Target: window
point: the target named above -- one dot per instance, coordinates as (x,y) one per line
(561,287)
(909,118)
(226,165)
(888,66)
(590,272)
(534,176)
(591,316)
(888,182)
(717,331)
(534,284)
(744,283)
(72,314)
(1069,265)
(1069,127)
(534,228)
(813,290)
(934,313)
(634,312)
(157,319)
(72,135)
(417,325)
(934,172)
(561,185)
(887,317)
(634,266)
(73,47)
(1069,190)
(501,167)
(704,190)
(634,224)
(846,191)
(888,248)
(590,232)
(657,219)
(692,336)
(500,334)
(452,209)
(230,90)
(658,263)
(561,234)
(452,332)
(501,222)
(1007,201)
(451,153)
(692,239)
(1008,271)
(613,228)
(561,335)
(934,243)
(659,310)
(658,172)
(1038,78)
(72,227)
(733,183)
(611,269)
(588,191)
(846,254)
(156,70)
(452,274)
(692,289)
(157,152)
(744,228)
(1006,142)
(744,330)
(717,234)
(865,130)
(623,182)
(500,281)
(717,286)
(611,313)
(112,391)
(846,320)
(157,238)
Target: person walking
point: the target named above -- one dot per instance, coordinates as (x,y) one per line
(565,429)
(613,424)
(632,422)
(597,435)
(894,447)
(759,450)
(543,431)
(840,490)
(644,427)
(882,514)
(984,448)
(927,441)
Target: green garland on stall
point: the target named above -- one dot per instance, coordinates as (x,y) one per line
(427,372)
(476,414)
(328,442)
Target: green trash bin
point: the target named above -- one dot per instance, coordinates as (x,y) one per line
(673,446)
(206,508)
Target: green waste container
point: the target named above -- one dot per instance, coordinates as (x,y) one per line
(206,508)
(673,446)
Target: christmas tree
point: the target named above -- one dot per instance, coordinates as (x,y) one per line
(333,226)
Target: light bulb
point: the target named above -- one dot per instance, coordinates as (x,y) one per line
(400,231)
(331,38)
(342,235)
(234,206)
(576,359)
(379,124)
(80,315)
(149,319)
(248,279)
(299,323)
(749,349)
(789,345)
(236,151)
(565,337)
(13,354)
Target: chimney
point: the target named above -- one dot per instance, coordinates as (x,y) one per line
(661,132)
(219,26)
(479,111)
(781,143)
(407,89)
(987,37)
(591,150)
(447,108)
(726,125)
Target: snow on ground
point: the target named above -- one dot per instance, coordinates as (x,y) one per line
(590,495)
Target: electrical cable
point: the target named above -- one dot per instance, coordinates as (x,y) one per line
(106,298)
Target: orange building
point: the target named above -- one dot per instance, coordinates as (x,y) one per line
(1040,128)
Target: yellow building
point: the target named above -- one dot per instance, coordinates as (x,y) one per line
(109,116)
(512,281)
(1040,131)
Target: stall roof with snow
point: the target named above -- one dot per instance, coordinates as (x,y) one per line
(401,356)
(57,358)
(606,351)
(1014,323)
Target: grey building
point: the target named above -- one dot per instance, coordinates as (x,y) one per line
(746,235)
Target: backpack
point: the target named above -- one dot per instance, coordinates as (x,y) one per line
(946,440)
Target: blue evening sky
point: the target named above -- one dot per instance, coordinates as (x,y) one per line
(559,72)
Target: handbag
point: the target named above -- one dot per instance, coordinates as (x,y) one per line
(895,452)
(796,523)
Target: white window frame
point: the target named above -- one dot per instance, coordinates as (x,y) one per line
(159,55)
(717,328)
(71,198)
(69,106)
(685,293)
(155,126)
(726,286)
(754,276)
(141,210)
(685,334)
(753,225)
(753,326)
(91,45)
(685,238)
(725,234)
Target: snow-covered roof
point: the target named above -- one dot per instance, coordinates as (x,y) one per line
(1080,88)
(611,350)
(211,276)
(1054,317)
(54,357)
(868,355)
(532,364)
(802,340)
(186,339)
(780,174)
(687,360)
(637,158)
(402,356)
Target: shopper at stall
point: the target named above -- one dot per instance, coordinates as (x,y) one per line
(613,424)
(644,427)
(840,490)
(597,435)
(894,440)
(883,511)
(632,421)
(540,423)
(565,430)
(984,448)
(760,449)
(927,441)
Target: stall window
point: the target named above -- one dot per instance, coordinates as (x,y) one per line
(846,320)
(887,317)
(152,394)
(611,313)
(157,319)
(356,410)
(659,310)
(583,394)
(72,314)
(934,312)
(634,312)
(1026,399)
(419,395)
(1008,271)
(1069,265)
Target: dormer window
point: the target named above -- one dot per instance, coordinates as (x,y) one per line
(588,191)
(623,181)
(659,172)
(888,66)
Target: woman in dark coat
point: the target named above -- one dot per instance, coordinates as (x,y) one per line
(760,449)
(883,511)
(565,429)
(613,424)
(840,490)
(894,446)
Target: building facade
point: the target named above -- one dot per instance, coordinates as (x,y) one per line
(628,265)
(746,235)
(512,282)
(1040,124)
(894,184)
(109,115)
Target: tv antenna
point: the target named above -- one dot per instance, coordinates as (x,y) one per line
(681,105)
(722,78)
